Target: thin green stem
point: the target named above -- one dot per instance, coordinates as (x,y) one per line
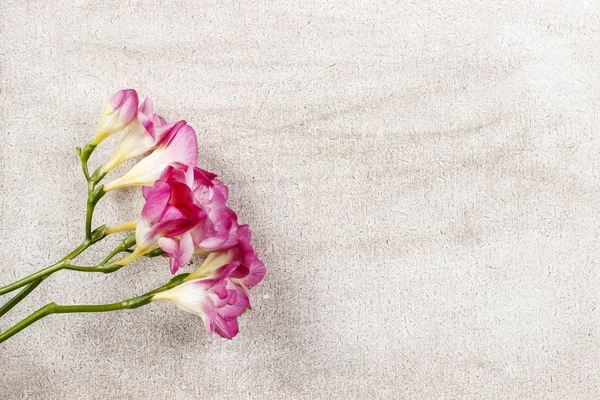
(105,266)
(91,237)
(20,296)
(94,195)
(95,268)
(89,213)
(97,235)
(84,155)
(33,277)
(53,308)
(34,280)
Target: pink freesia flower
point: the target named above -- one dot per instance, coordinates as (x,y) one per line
(217,232)
(169,213)
(215,229)
(119,112)
(251,270)
(145,133)
(179,146)
(216,299)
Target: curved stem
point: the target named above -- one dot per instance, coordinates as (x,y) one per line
(95,268)
(94,195)
(89,213)
(84,155)
(53,308)
(78,250)
(104,266)
(113,253)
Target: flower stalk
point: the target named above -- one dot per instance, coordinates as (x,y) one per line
(53,308)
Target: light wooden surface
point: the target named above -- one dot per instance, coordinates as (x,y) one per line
(421,178)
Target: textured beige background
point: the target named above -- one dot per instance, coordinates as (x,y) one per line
(421,178)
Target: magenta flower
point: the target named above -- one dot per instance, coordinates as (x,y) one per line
(217,232)
(216,299)
(214,229)
(250,270)
(178,146)
(169,213)
(219,290)
(144,134)
(185,212)
(119,112)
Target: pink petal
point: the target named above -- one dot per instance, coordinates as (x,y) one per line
(163,130)
(169,245)
(256,273)
(158,120)
(157,199)
(176,221)
(182,146)
(180,251)
(125,102)
(227,329)
(147,106)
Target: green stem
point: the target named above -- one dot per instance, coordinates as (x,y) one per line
(104,266)
(94,195)
(20,296)
(43,273)
(96,268)
(98,175)
(91,237)
(96,236)
(89,212)
(84,155)
(54,308)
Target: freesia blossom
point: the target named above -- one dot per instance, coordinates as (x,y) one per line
(216,299)
(218,231)
(119,112)
(242,255)
(214,229)
(168,215)
(178,146)
(219,290)
(142,135)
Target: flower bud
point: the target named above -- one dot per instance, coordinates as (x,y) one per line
(179,146)
(142,135)
(118,113)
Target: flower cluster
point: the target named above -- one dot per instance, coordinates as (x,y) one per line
(185,213)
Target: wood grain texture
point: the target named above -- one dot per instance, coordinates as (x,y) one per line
(421,178)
